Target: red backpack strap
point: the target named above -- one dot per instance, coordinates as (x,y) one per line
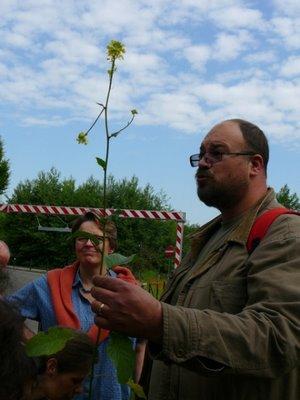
(262,224)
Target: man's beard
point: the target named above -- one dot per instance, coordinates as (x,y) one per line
(221,195)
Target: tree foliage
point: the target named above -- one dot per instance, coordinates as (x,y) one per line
(4,170)
(33,248)
(288,199)
(189,230)
(4,181)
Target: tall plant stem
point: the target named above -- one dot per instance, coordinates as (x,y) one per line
(111,73)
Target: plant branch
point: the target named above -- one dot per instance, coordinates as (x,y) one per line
(115,134)
(94,123)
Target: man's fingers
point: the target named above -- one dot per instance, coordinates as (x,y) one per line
(103,295)
(102,322)
(106,282)
(100,309)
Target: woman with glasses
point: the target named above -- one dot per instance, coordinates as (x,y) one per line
(62,297)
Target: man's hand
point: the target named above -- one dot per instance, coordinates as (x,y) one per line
(126,308)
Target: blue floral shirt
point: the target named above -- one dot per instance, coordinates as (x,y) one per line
(34,302)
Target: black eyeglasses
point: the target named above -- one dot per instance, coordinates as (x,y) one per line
(84,237)
(215,156)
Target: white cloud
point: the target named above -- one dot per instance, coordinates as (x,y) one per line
(199,104)
(261,57)
(197,56)
(229,46)
(235,76)
(285,95)
(207,5)
(180,110)
(3,70)
(140,61)
(288,7)
(16,39)
(225,48)
(288,29)
(291,67)
(53,121)
(237,17)
(282,132)
(188,62)
(71,47)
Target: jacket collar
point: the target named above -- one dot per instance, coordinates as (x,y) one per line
(241,232)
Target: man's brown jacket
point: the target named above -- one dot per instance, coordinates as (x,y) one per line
(234,330)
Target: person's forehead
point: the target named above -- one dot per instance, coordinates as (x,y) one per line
(78,374)
(90,226)
(226,133)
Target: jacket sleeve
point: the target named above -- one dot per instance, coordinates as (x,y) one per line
(264,338)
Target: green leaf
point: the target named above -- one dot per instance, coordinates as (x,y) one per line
(121,353)
(137,389)
(134,112)
(47,343)
(101,162)
(114,259)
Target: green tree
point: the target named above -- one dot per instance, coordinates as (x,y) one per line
(288,199)
(4,170)
(189,230)
(4,181)
(31,247)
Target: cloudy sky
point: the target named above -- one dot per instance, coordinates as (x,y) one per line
(188,65)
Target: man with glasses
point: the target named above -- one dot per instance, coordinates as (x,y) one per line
(228,323)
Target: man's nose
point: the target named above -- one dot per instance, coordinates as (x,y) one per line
(203,162)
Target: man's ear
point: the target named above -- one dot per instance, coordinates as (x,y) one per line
(51,367)
(257,164)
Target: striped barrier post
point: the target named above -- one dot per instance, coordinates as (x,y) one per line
(176,216)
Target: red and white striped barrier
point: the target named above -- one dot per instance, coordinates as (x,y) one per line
(176,216)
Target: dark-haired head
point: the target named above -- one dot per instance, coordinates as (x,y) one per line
(61,375)
(110,227)
(76,356)
(255,139)
(16,368)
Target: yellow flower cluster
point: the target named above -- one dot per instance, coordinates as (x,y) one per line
(115,50)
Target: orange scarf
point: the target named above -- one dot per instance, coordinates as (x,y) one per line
(60,282)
